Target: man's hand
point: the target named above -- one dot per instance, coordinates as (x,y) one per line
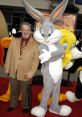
(6,74)
(28,76)
(45,56)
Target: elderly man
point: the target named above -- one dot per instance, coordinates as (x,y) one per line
(21,64)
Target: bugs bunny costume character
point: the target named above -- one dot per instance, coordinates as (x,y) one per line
(51,58)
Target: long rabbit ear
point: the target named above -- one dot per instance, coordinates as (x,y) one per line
(58,11)
(32,11)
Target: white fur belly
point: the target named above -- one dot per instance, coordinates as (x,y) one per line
(55,69)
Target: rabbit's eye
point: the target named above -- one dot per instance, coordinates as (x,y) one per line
(43,35)
(49,34)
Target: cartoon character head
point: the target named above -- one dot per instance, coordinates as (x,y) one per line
(46,34)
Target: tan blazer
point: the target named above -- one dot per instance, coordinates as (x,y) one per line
(26,63)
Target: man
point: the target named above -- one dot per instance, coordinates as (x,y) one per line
(21,64)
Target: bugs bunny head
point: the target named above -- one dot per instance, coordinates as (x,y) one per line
(46,31)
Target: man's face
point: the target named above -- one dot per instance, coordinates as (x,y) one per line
(26,31)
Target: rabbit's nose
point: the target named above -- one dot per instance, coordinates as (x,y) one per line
(46,36)
(46,41)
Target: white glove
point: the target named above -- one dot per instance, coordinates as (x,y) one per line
(76,53)
(45,56)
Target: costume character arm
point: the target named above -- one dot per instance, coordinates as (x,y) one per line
(59,53)
(46,55)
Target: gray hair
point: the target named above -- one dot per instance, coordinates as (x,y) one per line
(25,23)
